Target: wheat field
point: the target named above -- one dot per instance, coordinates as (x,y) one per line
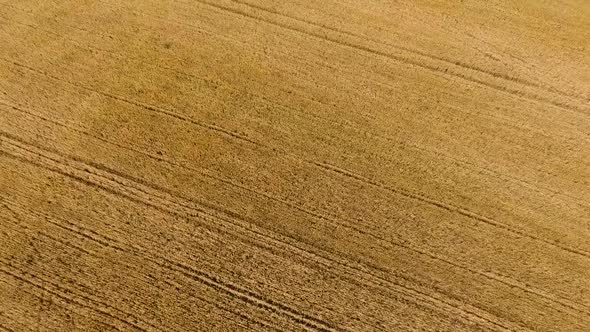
(256,165)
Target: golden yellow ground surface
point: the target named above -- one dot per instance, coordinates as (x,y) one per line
(334,165)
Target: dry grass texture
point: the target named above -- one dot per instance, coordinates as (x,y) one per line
(334,165)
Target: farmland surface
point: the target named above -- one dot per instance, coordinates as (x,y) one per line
(299,165)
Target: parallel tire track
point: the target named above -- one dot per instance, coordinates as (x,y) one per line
(61,303)
(107,243)
(201,276)
(327,167)
(402,59)
(60,293)
(466,164)
(174,210)
(87,234)
(319,215)
(456,63)
(348,259)
(449,207)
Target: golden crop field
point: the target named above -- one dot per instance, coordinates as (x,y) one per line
(300,165)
